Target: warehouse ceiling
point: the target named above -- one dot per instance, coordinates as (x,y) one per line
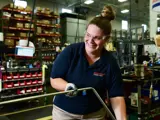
(139,9)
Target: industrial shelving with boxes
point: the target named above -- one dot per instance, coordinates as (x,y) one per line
(47,34)
(20,75)
(20,82)
(16,24)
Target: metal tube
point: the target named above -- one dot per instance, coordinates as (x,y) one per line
(139,102)
(64,92)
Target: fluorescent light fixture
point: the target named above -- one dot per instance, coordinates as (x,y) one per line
(66,10)
(88,2)
(125,11)
(122,0)
(158,18)
(20,3)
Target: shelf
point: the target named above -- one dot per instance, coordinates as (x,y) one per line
(16,38)
(4,89)
(48,16)
(44,25)
(46,49)
(21,79)
(49,26)
(3,97)
(137,41)
(47,57)
(48,35)
(22,69)
(18,19)
(57,44)
(15,28)
(17,56)
(16,10)
(34,69)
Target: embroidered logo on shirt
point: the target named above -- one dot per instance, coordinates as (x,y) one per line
(98,74)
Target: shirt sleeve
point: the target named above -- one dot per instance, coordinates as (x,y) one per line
(115,87)
(61,64)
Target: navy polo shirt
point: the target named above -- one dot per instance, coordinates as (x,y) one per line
(104,75)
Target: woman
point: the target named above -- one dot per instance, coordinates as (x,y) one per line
(88,64)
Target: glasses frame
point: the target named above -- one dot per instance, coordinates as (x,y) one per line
(96,38)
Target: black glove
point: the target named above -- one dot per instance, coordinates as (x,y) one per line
(71,86)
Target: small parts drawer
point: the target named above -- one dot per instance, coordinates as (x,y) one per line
(28,82)
(28,90)
(8,85)
(16,84)
(39,81)
(40,88)
(34,89)
(35,74)
(34,82)
(40,74)
(22,83)
(21,91)
(28,75)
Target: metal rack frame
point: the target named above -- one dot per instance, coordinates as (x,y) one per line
(65,92)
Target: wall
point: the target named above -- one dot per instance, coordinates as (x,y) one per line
(4,2)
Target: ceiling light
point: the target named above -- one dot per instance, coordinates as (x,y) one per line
(125,11)
(122,0)
(89,2)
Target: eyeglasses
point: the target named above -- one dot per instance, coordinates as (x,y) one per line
(97,38)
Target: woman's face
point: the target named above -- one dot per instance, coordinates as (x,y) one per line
(94,39)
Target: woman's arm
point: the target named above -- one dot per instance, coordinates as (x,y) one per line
(58,83)
(60,69)
(119,107)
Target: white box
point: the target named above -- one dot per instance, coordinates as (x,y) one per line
(24,51)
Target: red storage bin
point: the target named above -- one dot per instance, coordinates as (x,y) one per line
(28,90)
(22,75)
(9,76)
(40,88)
(21,91)
(22,83)
(16,83)
(15,75)
(34,82)
(39,81)
(4,77)
(28,82)
(8,85)
(35,74)
(34,89)
(28,75)
(40,74)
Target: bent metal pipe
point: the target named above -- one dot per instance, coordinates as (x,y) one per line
(58,93)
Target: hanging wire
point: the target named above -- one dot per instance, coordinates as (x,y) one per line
(31,21)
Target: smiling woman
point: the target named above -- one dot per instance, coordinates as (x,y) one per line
(88,64)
